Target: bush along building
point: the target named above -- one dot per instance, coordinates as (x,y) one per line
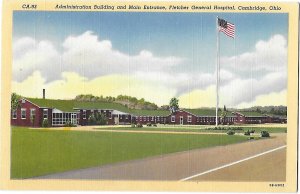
(42,112)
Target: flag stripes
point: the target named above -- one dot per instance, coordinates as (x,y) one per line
(226,27)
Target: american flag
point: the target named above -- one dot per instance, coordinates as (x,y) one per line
(226,27)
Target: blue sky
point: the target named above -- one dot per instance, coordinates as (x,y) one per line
(164,34)
(189,36)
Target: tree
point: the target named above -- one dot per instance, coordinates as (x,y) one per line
(15,101)
(223,116)
(174,104)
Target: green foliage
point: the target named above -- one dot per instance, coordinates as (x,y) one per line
(264,134)
(97,119)
(91,120)
(154,125)
(15,101)
(139,125)
(127,101)
(174,104)
(230,132)
(45,123)
(69,124)
(148,124)
(247,133)
(132,125)
(238,128)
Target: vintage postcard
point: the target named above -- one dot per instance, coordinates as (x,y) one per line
(149,96)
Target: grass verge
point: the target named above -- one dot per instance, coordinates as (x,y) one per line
(37,152)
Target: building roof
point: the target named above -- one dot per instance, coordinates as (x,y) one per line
(250,113)
(206,112)
(70,105)
(63,105)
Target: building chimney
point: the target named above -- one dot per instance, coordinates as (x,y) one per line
(44,93)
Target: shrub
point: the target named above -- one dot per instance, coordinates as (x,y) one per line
(238,128)
(97,119)
(252,131)
(45,123)
(132,125)
(250,138)
(148,124)
(247,133)
(139,125)
(265,134)
(91,120)
(230,132)
(69,124)
(154,125)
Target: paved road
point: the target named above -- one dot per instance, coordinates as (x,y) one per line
(178,166)
(271,166)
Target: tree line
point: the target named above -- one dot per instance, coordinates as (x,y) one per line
(128,101)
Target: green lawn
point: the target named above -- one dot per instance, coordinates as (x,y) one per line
(39,152)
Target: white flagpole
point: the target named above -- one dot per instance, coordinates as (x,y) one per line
(217,71)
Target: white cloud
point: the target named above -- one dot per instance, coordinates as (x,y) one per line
(30,55)
(87,64)
(239,90)
(72,84)
(271,99)
(268,55)
(86,53)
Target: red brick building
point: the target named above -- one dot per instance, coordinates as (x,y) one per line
(114,117)
(32,113)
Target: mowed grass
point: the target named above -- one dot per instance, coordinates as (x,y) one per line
(37,152)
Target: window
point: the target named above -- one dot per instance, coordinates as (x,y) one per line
(158,118)
(144,118)
(152,119)
(109,114)
(84,114)
(126,117)
(14,114)
(23,101)
(32,113)
(189,119)
(23,113)
(45,113)
(173,119)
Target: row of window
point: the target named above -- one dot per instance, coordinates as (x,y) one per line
(32,113)
(201,119)
(84,113)
(148,118)
(62,118)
